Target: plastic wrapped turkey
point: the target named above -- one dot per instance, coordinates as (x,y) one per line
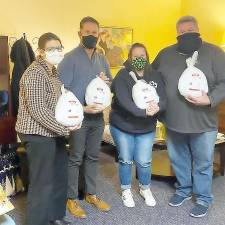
(193,81)
(69,111)
(143,93)
(98,93)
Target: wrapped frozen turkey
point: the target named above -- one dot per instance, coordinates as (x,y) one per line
(143,93)
(69,111)
(192,81)
(98,93)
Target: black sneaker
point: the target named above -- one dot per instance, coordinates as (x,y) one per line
(177,200)
(199,211)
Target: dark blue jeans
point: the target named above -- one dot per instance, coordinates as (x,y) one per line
(191,156)
(137,148)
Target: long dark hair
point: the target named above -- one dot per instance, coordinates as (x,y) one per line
(137,45)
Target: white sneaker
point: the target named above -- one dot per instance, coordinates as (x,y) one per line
(127,198)
(148,197)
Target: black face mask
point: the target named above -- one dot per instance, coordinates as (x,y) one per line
(89,41)
(189,42)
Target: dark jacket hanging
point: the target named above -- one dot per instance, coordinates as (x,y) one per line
(22,56)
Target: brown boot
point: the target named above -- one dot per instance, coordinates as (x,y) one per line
(98,203)
(75,209)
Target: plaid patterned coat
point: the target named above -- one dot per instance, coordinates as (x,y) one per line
(40,89)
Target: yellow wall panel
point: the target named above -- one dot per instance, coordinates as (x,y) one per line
(211,17)
(153,22)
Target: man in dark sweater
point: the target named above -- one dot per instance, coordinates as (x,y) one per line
(77,70)
(192,121)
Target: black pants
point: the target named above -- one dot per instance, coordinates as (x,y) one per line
(84,149)
(47,193)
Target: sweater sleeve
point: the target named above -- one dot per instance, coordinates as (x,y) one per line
(123,94)
(35,98)
(217,94)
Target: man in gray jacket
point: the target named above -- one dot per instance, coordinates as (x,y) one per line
(79,67)
(192,121)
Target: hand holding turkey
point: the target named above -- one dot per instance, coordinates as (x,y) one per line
(199,101)
(73,128)
(152,109)
(93,109)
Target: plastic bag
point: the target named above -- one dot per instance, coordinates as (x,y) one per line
(98,92)
(143,93)
(69,111)
(192,81)
(6,220)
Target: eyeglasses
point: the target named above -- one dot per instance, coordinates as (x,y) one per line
(60,49)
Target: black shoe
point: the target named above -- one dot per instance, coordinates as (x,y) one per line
(60,222)
(177,200)
(199,211)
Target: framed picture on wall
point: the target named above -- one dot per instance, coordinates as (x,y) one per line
(114,43)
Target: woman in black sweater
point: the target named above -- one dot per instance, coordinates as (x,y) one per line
(132,128)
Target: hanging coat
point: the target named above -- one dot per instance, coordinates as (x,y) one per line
(22,56)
